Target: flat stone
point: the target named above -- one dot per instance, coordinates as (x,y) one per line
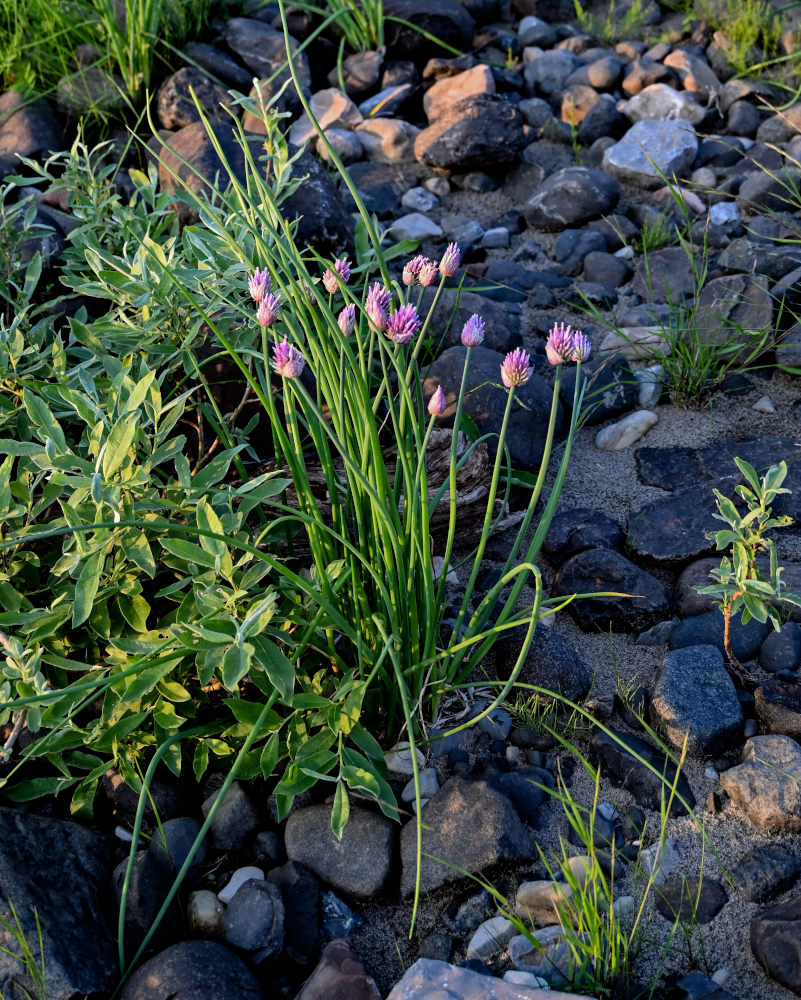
(539,902)
(674,528)
(416,227)
(570,197)
(707,630)
(776,942)
(668,276)
(767,785)
(659,101)
(694,73)
(388,140)
(581,528)
(644,601)
(697,986)
(491,937)
(691,899)
(651,151)
(765,872)
(635,342)
(778,708)
(332,109)
(262,49)
(428,978)
(254,920)
(626,432)
(731,304)
(193,970)
(710,724)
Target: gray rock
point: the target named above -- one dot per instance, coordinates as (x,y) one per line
(175,103)
(571,197)
(27,128)
(659,102)
(501,319)
(475,133)
(150,882)
(675,528)
(430,978)
(778,708)
(666,277)
(323,219)
(776,942)
(535,31)
(220,64)
(768,191)
(626,432)
(733,308)
(707,630)
(611,389)
(360,71)
(546,73)
(651,151)
(172,841)
(690,899)
(301,909)
(765,872)
(347,145)
(644,601)
(235,819)
(710,724)
(551,663)
(193,970)
(781,650)
(360,864)
(90,89)
(261,48)
(254,920)
(339,975)
(697,986)
(60,871)
(418,199)
(497,724)
(767,785)
(467,823)
(416,227)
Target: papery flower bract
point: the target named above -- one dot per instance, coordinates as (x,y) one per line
(473,331)
(347,319)
(341,269)
(403,324)
(429,273)
(516,369)
(411,271)
(437,403)
(377,306)
(259,284)
(451,259)
(559,345)
(582,345)
(267,312)
(287,360)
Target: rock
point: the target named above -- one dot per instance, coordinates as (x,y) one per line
(27,128)
(548,956)
(220,64)
(492,936)
(668,277)
(765,872)
(660,102)
(644,599)
(388,140)
(496,238)
(475,133)
(696,986)
(547,72)
(686,599)
(261,48)
(360,71)
(602,121)
(388,103)
(173,840)
(644,72)
(60,871)
(577,101)
(776,942)
(346,145)
(147,889)
(674,528)
(466,823)
(419,199)
(501,319)
(539,902)
(767,785)
(551,663)
(606,268)
(399,759)
(332,109)
(245,874)
(474,82)
(711,725)
(301,909)
(732,308)
(204,913)
(635,343)
(522,788)
(176,105)
(429,785)
(193,970)
(486,400)
(781,650)
(323,220)
(535,31)
(621,756)
(651,151)
(660,860)
(780,127)
(578,529)
(91,89)
(360,864)
(571,197)
(778,708)
(695,74)
(625,432)
(234,820)
(691,899)
(254,920)
(767,191)
(435,21)
(415,226)
(611,389)
(339,975)
(764,405)
(707,630)
(429,978)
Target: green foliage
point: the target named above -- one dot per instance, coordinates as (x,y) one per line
(614,24)
(36,986)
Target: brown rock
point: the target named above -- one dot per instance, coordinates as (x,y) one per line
(339,975)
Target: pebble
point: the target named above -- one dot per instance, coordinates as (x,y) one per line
(497,238)
(416,227)
(204,912)
(662,863)
(764,405)
(624,433)
(239,877)
(711,773)
(438,186)
(650,385)
(399,759)
(491,937)
(429,786)
(418,199)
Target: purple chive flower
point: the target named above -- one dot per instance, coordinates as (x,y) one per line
(287,360)
(451,259)
(377,306)
(259,284)
(437,403)
(515,369)
(473,331)
(560,343)
(341,271)
(347,319)
(429,273)
(411,272)
(403,324)
(582,345)
(267,312)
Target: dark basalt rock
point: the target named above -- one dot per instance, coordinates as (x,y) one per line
(446,20)
(176,105)
(582,528)
(668,277)
(476,133)
(778,708)
(193,970)
(707,630)
(261,48)
(644,603)
(611,389)
(551,662)
(27,128)
(776,942)
(765,872)
(690,899)
(501,319)
(570,197)
(324,222)
(618,754)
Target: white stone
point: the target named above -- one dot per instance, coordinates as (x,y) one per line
(491,937)
(204,912)
(635,342)
(519,978)
(724,214)
(388,140)
(650,385)
(399,759)
(429,785)
(625,253)
(704,177)
(446,92)
(497,238)
(711,773)
(440,186)
(651,151)
(437,565)
(417,199)
(660,864)
(721,976)
(240,876)
(625,432)
(764,405)
(415,226)
(658,102)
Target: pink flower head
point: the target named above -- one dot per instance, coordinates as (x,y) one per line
(259,284)
(429,273)
(267,312)
(559,345)
(582,345)
(411,272)
(437,403)
(451,259)
(377,306)
(516,369)
(347,319)
(287,360)
(403,324)
(473,331)
(340,272)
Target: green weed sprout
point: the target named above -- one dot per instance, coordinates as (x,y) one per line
(741,584)
(36,987)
